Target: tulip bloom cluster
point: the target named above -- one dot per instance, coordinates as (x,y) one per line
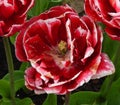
(64,51)
(13,15)
(107,12)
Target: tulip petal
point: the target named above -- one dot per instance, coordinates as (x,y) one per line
(13,14)
(34,47)
(19,51)
(105,68)
(113,32)
(60,72)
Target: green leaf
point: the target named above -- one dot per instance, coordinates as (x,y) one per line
(24,66)
(113,97)
(84,98)
(5,102)
(117,63)
(39,7)
(4,89)
(19,84)
(25,101)
(54,3)
(110,46)
(50,100)
(105,103)
(18,79)
(12,38)
(106,86)
(17,75)
(43,5)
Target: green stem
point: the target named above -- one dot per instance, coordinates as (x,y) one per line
(10,68)
(67,98)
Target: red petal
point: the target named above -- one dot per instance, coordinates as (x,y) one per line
(85,75)
(55,89)
(33,80)
(51,28)
(30,78)
(22,7)
(1,27)
(89,51)
(20,53)
(114,33)
(105,68)
(91,9)
(6,10)
(92,36)
(48,30)
(34,47)
(59,10)
(19,50)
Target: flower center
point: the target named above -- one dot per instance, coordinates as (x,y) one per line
(61,55)
(62,47)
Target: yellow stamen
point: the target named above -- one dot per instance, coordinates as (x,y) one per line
(62,46)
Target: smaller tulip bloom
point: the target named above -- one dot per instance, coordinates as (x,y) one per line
(63,49)
(108,12)
(13,15)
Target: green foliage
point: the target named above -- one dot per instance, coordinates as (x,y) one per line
(110,46)
(17,75)
(54,3)
(50,100)
(113,96)
(42,5)
(18,79)
(84,98)
(4,89)
(111,85)
(24,66)
(25,101)
(117,63)
(12,38)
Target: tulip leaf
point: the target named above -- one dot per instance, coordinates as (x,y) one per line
(113,96)
(110,46)
(84,98)
(2,102)
(42,5)
(54,3)
(4,89)
(105,103)
(25,101)
(50,100)
(12,38)
(112,49)
(18,79)
(39,7)
(17,75)
(24,66)
(19,84)
(116,62)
